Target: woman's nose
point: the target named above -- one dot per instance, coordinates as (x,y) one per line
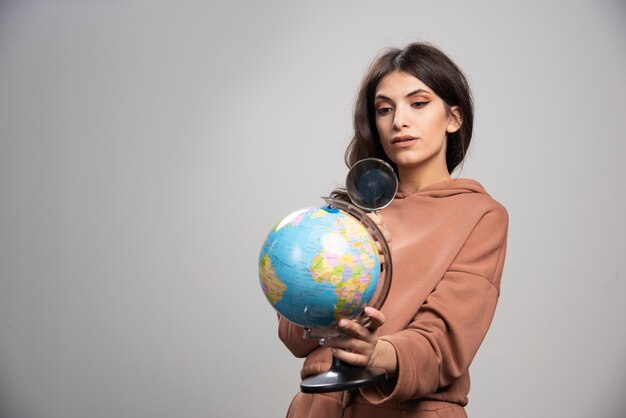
(400,119)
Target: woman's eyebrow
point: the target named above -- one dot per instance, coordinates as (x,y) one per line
(413,93)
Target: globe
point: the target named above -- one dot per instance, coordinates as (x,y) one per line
(319,265)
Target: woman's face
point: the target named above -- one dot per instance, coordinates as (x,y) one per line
(412,122)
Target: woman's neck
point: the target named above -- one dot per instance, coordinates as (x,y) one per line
(414,179)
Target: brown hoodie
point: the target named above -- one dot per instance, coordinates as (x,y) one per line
(448,247)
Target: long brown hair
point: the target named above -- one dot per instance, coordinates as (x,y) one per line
(437,71)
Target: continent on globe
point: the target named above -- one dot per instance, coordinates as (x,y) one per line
(272,286)
(348,269)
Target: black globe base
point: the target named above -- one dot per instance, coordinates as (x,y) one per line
(343,376)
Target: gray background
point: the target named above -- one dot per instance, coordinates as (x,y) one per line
(148,147)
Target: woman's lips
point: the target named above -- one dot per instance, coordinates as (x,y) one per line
(403,141)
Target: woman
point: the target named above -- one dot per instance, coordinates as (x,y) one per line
(447,239)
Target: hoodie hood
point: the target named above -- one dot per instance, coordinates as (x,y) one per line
(445,188)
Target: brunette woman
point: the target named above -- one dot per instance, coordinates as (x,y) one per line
(447,238)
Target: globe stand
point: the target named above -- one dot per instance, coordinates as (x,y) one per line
(343,376)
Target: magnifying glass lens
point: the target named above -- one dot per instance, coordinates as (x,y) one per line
(372,184)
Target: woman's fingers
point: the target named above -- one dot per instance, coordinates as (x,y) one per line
(364,328)
(352,350)
(353,328)
(351,357)
(359,339)
(377,318)
(350,344)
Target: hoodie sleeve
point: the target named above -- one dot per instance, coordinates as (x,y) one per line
(291,335)
(439,344)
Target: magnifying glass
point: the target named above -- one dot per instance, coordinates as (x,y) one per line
(372,184)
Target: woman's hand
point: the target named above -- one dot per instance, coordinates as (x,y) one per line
(360,345)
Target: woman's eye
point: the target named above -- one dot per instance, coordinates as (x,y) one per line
(383,110)
(419,105)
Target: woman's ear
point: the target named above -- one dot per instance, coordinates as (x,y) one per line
(455,120)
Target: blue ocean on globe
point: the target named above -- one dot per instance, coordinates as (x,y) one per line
(318,265)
